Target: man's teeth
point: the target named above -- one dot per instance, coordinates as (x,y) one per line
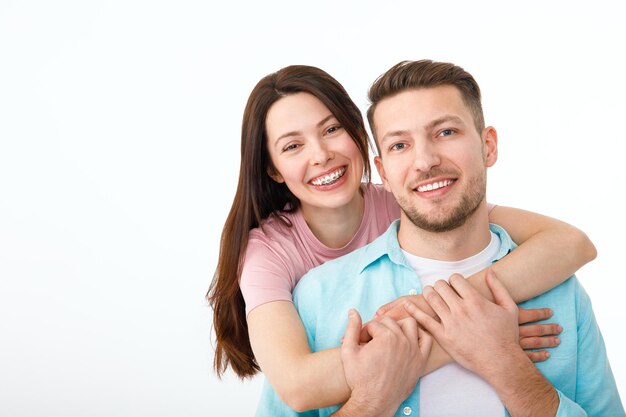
(330,178)
(433,186)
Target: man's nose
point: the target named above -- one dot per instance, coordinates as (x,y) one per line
(426,156)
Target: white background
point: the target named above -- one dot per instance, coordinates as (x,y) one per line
(119,155)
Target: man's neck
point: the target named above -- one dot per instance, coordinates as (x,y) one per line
(454,245)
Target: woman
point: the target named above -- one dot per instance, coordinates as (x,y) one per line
(300,202)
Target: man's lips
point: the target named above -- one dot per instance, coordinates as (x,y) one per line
(434,185)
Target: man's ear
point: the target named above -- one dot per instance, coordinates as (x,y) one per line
(381,172)
(490,148)
(275,175)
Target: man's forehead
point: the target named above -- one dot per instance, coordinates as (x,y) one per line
(419,106)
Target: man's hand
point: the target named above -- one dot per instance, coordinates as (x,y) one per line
(531,336)
(473,330)
(384,371)
(483,336)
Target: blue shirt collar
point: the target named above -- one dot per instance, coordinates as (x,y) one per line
(387,245)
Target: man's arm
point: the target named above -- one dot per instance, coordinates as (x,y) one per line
(384,371)
(596,392)
(482,336)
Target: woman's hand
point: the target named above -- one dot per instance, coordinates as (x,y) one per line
(537,336)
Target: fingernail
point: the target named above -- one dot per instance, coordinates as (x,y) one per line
(351,312)
(559,328)
(408,305)
(557,340)
(547,354)
(550,313)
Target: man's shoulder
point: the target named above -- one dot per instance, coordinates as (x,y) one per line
(339,271)
(336,269)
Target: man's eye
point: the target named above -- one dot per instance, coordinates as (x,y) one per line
(398,146)
(446,132)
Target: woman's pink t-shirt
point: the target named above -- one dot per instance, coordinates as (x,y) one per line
(277,255)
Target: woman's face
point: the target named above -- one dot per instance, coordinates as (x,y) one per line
(312,153)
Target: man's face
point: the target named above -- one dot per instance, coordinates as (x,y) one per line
(432,158)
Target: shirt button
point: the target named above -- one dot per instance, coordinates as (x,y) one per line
(412,291)
(407,411)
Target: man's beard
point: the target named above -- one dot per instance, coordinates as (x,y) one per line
(470,201)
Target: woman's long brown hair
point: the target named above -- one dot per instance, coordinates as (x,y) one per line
(258,196)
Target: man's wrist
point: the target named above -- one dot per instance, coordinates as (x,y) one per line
(363,405)
(523,390)
(497,369)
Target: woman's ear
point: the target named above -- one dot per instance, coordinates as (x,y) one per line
(275,175)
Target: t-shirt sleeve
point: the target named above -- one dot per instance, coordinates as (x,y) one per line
(264,276)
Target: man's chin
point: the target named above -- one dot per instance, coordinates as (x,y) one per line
(440,219)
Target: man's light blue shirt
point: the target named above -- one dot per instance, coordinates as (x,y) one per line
(378,273)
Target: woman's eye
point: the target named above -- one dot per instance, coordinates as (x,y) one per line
(291,147)
(332,129)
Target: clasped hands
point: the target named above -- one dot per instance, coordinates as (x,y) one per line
(532,336)
(473,330)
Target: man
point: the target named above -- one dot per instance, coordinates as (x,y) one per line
(433,153)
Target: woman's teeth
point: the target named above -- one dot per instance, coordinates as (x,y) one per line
(433,186)
(330,178)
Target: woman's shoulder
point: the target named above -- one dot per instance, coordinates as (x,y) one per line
(275,226)
(381,199)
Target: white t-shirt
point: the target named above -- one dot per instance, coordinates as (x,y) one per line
(452,390)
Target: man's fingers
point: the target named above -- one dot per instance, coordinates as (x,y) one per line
(435,302)
(353,330)
(386,322)
(427,322)
(365,335)
(447,293)
(500,294)
(462,287)
(533,314)
(409,328)
(425,342)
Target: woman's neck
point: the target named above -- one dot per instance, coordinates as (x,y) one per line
(335,227)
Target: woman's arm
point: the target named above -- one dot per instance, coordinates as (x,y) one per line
(549,252)
(302,379)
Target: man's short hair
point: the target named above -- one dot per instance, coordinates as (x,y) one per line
(413,75)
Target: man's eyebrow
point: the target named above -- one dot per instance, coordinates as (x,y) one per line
(430,126)
(297,132)
(394,134)
(444,119)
